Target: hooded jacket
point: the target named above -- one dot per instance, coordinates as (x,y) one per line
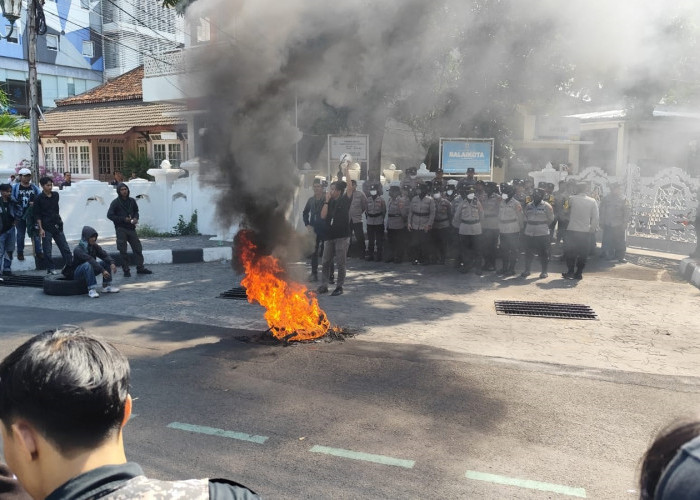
(121,210)
(85,252)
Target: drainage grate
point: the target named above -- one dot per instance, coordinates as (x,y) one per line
(545,309)
(237,292)
(19,280)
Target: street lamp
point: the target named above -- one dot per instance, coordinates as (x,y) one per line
(11,10)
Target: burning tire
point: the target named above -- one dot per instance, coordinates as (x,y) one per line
(60,285)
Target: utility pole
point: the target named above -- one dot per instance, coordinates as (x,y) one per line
(33,90)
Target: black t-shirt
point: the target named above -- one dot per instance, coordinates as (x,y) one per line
(46,210)
(338,218)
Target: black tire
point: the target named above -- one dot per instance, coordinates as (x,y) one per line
(60,285)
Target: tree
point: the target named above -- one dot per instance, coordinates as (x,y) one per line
(11,124)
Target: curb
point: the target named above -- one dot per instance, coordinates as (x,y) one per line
(150,257)
(690,270)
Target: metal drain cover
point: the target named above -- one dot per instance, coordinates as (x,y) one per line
(545,309)
(22,280)
(237,292)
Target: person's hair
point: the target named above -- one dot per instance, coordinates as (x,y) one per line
(353,182)
(45,180)
(340,186)
(70,386)
(661,452)
(5,187)
(66,173)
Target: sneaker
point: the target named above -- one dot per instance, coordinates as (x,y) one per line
(567,276)
(525,274)
(127,273)
(337,291)
(20,255)
(622,261)
(143,270)
(322,289)
(51,271)
(92,293)
(578,276)
(544,275)
(110,289)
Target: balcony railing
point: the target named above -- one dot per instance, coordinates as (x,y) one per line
(169,63)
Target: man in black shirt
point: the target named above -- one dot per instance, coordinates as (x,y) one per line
(64,402)
(335,212)
(124,212)
(47,216)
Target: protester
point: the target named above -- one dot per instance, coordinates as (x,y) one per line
(671,465)
(124,213)
(25,193)
(8,219)
(86,266)
(336,213)
(314,223)
(48,217)
(64,403)
(66,180)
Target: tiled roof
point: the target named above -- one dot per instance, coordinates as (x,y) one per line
(109,119)
(122,88)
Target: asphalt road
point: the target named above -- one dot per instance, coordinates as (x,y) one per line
(363,419)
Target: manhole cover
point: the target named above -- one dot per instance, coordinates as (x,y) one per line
(237,292)
(545,309)
(18,280)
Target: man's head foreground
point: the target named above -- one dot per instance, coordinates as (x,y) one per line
(63,402)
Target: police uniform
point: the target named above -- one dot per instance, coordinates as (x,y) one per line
(421,215)
(489,227)
(614,214)
(441,227)
(468,219)
(376,211)
(537,218)
(396,215)
(510,222)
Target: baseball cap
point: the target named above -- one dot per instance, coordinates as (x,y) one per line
(24,171)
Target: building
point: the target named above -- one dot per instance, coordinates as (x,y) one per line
(93,134)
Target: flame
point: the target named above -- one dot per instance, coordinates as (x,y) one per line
(292,311)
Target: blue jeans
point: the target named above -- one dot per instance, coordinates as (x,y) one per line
(63,247)
(86,272)
(21,232)
(7,246)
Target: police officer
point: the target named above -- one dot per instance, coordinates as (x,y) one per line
(376,211)
(538,216)
(455,199)
(441,227)
(489,225)
(468,219)
(421,215)
(614,214)
(358,206)
(510,223)
(396,215)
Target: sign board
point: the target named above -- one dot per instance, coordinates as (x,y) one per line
(356,146)
(557,127)
(457,155)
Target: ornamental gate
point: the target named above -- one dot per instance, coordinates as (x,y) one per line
(662,207)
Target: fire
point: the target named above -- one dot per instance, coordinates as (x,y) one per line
(292,312)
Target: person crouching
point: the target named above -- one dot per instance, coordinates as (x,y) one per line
(86,266)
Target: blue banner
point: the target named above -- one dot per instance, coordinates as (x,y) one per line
(457,155)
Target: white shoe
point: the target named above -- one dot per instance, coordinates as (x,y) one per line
(110,289)
(92,293)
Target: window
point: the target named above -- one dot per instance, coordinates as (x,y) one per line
(110,157)
(79,159)
(88,49)
(203,31)
(52,42)
(103,161)
(118,157)
(171,150)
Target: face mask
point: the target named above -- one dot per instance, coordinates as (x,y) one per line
(470,196)
(449,192)
(504,196)
(373,192)
(436,196)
